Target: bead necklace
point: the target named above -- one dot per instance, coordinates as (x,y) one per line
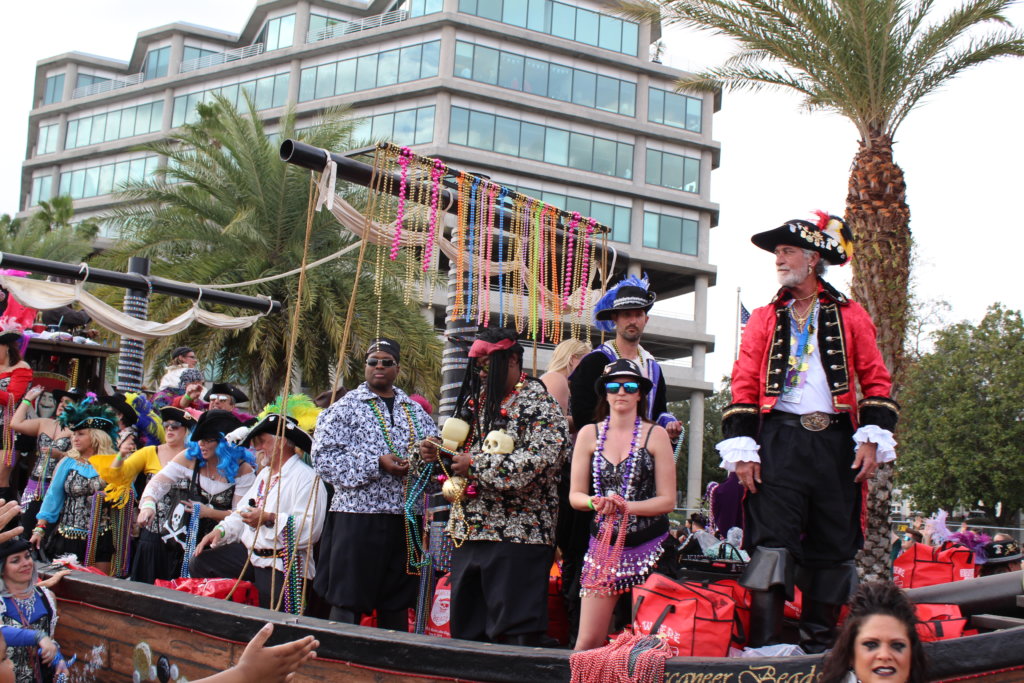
(94,529)
(642,356)
(570,235)
(25,606)
(386,430)
(121,525)
(190,540)
(403,183)
(436,173)
(293,602)
(502,256)
(471,244)
(627,477)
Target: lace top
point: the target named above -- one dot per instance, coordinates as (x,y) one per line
(641,487)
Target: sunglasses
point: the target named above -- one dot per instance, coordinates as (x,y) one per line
(220,397)
(630,387)
(171,424)
(374,362)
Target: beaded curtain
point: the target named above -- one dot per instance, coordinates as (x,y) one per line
(529,260)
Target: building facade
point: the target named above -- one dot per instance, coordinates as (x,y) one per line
(560,99)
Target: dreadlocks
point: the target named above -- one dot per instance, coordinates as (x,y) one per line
(500,346)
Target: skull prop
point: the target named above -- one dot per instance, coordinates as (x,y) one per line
(499,442)
(454,433)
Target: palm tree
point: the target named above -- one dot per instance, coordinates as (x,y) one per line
(871,61)
(226,209)
(39,238)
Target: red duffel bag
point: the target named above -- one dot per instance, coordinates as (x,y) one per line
(246,592)
(696,620)
(939,622)
(922,565)
(439,620)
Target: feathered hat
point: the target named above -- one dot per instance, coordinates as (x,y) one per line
(90,414)
(300,408)
(629,294)
(829,236)
(10,330)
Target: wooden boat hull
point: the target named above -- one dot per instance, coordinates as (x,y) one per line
(104,620)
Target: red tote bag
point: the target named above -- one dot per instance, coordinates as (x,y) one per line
(939,622)
(696,620)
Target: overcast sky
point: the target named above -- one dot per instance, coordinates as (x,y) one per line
(961,153)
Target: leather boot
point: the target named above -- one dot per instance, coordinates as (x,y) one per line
(817,626)
(345,616)
(766,611)
(396,620)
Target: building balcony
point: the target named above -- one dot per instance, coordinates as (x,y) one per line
(115,83)
(221,58)
(346,27)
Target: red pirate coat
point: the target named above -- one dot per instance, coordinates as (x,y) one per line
(849,355)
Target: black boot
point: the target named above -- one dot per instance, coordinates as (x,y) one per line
(345,616)
(396,619)
(817,626)
(766,611)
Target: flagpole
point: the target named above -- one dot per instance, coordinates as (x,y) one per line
(736,345)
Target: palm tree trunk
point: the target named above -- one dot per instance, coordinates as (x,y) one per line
(877,212)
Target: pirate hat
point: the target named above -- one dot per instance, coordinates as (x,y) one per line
(214,424)
(1000,552)
(622,369)
(225,388)
(630,294)
(173,414)
(73,393)
(89,414)
(119,402)
(830,237)
(292,432)
(10,331)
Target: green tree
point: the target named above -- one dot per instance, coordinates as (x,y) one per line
(871,61)
(39,238)
(226,209)
(714,405)
(963,418)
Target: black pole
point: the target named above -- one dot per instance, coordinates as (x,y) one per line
(130,372)
(137,282)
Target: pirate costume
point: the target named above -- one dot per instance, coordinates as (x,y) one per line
(362,558)
(795,411)
(26,621)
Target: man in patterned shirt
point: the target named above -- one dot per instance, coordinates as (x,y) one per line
(361,446)
(500,570)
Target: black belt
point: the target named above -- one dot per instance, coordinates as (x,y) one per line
(267,552)
(812,422)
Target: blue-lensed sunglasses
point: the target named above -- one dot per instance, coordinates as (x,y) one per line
(630,387)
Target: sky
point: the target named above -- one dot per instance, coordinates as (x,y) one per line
(961,152)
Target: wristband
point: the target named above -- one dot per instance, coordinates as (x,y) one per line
(27,402)
(39,530)
(590,503)
(221,530)
(41,523)
(148,505)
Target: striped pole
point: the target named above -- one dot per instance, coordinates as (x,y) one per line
(136,304)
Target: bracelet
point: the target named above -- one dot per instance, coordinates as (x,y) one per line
(27,402)
(148,505)
(590,503)
(39,530)
(220,529)
(41,523)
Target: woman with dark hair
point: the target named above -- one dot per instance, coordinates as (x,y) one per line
(623,470)
(154,558)
(218,473)
(878,641)
(15,376)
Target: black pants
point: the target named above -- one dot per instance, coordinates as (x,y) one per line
(499,590)
(808,501)
(226,562)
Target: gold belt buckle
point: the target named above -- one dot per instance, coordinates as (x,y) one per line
(815,422)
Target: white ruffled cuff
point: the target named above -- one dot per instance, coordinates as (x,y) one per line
(737,449)
(883,437)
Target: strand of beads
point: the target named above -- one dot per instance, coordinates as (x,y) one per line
(460,245)
(403,183)
(471,245)
(122,524)
(596,466)
(416,556)
(190,540)
(92,537)
(292,559)
(502,194)
(485,310)
(571,236)
(436,173)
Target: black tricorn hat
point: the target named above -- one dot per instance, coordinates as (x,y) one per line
(225,388)
(15,545)
(172,413)
(292,432)
(119,402)
(72,393)
(214,424)
(830,237)
(627,296)
(999,552)
(623,368)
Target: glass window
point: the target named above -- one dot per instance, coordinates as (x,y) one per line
(623,217)
(651,230)
(538,16)
(670,233)
(536,77)
(463,60)
(584,87)
(366,72)
(264,98)
(431,59)
(611,33)
(106,181)
(113,126)
(54,90)
(531,141)
(587,26)
(506,136)
(77,184)
(693,117)
(307,86)
(481,130)
(675,110)
(99,125)
(689,241)
(560,82)
(510,71)
(47,142)
(485,65)
(325,80)
(92,179)
(691,174)
(605,152)
(563,20)
(656,105)
(630,37)
(156,63)
(653,176)
(624,161)
(230,93)
(607,96)
(346,80)
(458,129)
(120,174)
(41,189)
(405,127)
(514,12)
(581,151)
(178,117)
(411,57)
(278,33)
(556,146)
(627,98)
(672,171)
(387,68)
(383,127)
(85,131)
(424,125)
(489,9)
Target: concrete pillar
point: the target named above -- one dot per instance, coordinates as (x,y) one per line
(177,54)
(301,23)
(695,452)
(700,304)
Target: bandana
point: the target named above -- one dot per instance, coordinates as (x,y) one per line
(482,348)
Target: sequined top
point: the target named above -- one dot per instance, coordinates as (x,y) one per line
(45,445)
(641,487)
(69,498)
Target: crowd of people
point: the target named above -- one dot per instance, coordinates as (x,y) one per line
(184,482)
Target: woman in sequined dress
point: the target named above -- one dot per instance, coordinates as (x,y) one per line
(621,462)
(15,376)
(53,441)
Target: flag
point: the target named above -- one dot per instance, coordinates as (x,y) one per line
(744,317)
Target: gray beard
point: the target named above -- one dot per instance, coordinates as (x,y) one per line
(792,278)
